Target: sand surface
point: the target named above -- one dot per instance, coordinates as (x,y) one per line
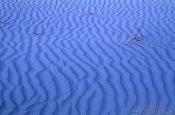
(81,57)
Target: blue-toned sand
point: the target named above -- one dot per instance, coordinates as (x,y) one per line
(87,57)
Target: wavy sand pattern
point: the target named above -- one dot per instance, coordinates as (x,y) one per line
(77,57)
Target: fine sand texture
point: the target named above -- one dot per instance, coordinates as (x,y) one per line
(86,57)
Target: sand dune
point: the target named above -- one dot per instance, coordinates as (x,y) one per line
(77,57)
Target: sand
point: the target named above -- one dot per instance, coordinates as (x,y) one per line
(86,57)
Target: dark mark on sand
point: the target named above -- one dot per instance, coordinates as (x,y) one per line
(89,13)
(36,33)
(138,36)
